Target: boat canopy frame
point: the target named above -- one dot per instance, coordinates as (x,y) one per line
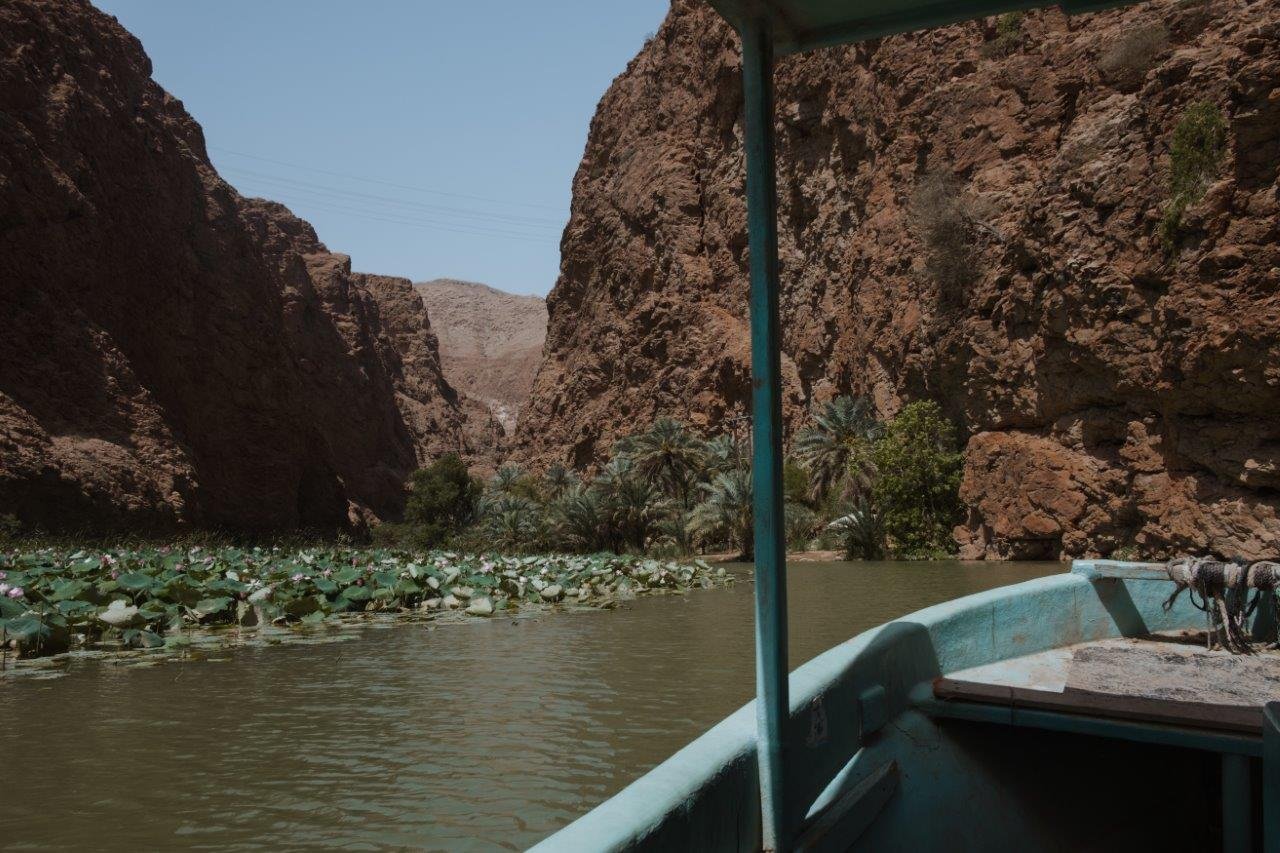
(769,29)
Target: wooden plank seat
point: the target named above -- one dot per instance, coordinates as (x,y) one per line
(1163,680)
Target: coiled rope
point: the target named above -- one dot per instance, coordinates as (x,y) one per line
(1223,589)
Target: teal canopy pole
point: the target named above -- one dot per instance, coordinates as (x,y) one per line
(772,702)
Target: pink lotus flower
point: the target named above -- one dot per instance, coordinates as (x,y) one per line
(298,577)
(4,588)
(327,573)
(4,575)
(16,592)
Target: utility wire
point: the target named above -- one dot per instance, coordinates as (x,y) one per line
(348,195)
(427,225)
(307,199)
(383,183)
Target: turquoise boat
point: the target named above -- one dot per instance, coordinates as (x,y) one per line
(963,727)
(1059,714)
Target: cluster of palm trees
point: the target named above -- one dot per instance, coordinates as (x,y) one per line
(669,490)
(666,490)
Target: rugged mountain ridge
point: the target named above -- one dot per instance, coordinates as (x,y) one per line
(490,342)
(172,353)
(1111,398)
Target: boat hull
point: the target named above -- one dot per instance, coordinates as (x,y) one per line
(873,764)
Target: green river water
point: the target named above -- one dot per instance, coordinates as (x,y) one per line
(487,735)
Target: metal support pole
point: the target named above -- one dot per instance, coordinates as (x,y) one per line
(1271,777)
(772,701)
(1237,804)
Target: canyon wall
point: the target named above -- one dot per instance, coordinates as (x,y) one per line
(171,353)
(970,215)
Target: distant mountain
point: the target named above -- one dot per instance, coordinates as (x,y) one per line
(490,342)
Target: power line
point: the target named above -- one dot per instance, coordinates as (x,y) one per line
(346,195)
(400,216)
(427,225)
(383,183)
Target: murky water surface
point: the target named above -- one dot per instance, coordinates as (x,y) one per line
(482,736)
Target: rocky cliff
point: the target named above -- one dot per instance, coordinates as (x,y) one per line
(170,352)
(973,215)
(490,342)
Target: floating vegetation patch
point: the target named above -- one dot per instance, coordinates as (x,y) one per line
(55,600)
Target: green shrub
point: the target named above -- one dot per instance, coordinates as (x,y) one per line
(1008,35)
(917,492)
(1195,155)
(443,500)
(942,220)
(795,484)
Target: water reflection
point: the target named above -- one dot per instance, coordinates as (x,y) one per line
(482,736)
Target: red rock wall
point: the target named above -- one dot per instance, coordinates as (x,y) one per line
(1110,398)
(421,385)
(170,352)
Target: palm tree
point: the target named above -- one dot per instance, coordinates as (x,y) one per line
(512,522)
(508,477)
(558,480)
(632,505)
(636,508)
(674,535)
(834,450)
(862,530)
(670,454)
(618,470)
(580,520)
(800,524)
(725,513)
(722,453)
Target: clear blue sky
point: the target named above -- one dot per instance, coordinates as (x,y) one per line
(351,113)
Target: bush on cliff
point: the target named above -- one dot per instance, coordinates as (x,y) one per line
(944,223)
(1195,155)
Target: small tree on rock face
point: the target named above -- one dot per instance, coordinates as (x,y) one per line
(1195,155)
(917,490)
(443,499)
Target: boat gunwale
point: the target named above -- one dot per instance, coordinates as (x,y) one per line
(667,801)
